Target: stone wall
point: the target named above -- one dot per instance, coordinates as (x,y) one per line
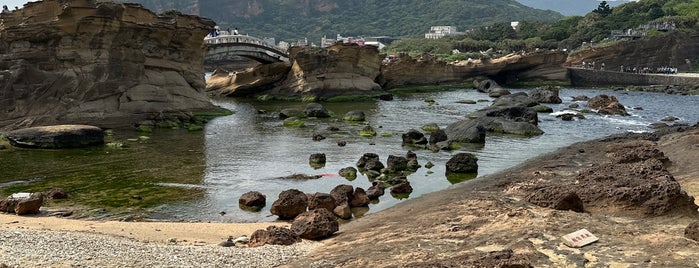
(100,63)
(587,77)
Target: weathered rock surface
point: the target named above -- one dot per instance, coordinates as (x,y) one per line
(315,224)
(55,137)
(321,200)
(606,104)
(463,163)
(22,203)
(290,204)
(485,219)
(548,94)
(252,199)
(273,235)
(341,69)
(426,70)
(99,63)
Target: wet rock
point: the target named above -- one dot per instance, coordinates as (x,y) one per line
(299,176)
(498,92)
(57,193)
(430,127)
(581,98)
(317,159)
(396,164)
(463,163)
(436,136)
(354,115)
(342,193)
(570,116)
(519,99)
(289,112)
(359,198)
(273,235)
(466,102)
(56,137)
(318,137)
(401,189)
(316,110)
(290,204)
(543,109)
(396,180)
(341,143)
(574,105)
(467,131)
(547,94)
(315,224)
(605,104)
(343,211)
(669,119)
(253,199)
(414,136)
(349,173)
(376,190)
(367,131)
(370,161)
(321,200)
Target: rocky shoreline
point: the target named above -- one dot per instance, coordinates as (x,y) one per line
(494,222)
(490,221)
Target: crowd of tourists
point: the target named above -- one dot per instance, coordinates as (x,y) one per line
(648,70)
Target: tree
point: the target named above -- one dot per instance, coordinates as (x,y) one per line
(603,9)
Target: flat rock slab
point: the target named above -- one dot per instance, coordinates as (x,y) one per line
(56,137)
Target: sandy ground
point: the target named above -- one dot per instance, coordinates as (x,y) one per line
(184,233)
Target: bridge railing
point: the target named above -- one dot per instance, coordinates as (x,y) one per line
(236,38)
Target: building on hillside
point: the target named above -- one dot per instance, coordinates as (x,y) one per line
(437,32)
(515,25)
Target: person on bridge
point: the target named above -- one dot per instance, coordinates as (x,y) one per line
(235,31)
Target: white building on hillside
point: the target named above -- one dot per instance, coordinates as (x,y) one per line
(437,32)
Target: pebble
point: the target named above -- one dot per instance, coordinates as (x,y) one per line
(30,248)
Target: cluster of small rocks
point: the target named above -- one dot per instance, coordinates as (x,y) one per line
(30,248)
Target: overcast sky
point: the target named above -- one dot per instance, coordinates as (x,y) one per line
(11,4)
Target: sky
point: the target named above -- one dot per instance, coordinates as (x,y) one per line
(11,4)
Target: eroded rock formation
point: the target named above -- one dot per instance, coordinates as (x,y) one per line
(99,63)
(341,69)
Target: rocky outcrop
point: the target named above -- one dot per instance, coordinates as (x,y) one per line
(606,104)
(315,224)
(290,204)
(341,69)
(252,200)
(426,70)
(676,49)
(56,137)
(22,203)
(99,63)
(273,235)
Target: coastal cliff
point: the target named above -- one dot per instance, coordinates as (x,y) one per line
(350,69)
(341,69)
(100,63)
(426,70)
(677,49)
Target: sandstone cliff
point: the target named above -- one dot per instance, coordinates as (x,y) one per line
(100,63)
(676,49)
(341,69)
(426,70)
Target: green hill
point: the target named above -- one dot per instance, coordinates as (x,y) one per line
(297,19)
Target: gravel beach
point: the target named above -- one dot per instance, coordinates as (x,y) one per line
(54,242)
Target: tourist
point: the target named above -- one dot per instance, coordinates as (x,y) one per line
(602,67)
(5,9)
(235,31)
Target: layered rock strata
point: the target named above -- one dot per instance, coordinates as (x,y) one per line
(99,63)
(341,69)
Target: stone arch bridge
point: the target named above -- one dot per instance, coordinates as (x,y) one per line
(225,48)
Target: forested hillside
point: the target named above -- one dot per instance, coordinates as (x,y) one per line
(569,7)
(296,19)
